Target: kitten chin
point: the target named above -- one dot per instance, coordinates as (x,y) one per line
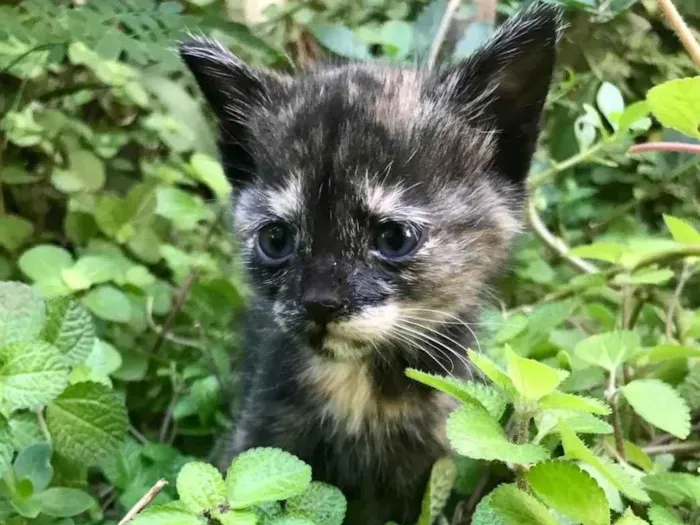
(373,204)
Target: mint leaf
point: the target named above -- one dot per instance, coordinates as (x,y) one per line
(628,518)
(265,474)
(22,312)
(60,502)
(475,434)
(519,508)
(44,262)
(570,491)
(662,516)
(323,504)
(484,514)
(564,401)
(201,487)
(608,350)
(87,422)
(610,102)
(168,514)
(69,328)
(681,230)
(659,404)
(531,378)
(6,448)
(32,373)
(108,303)
(464,391)
(492,371)
(667,352)
(104,359)
(675,488)
(211,173)
(34,463)
(14,231)
(676,105)
(442,480)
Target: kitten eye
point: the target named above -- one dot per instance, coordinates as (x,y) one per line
(276,242)
(395,240)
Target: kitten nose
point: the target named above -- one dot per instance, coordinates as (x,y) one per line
(322,305)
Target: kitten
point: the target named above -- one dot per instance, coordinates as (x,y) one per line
(372,205)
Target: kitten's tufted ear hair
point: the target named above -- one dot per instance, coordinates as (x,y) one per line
(505,83)
(234,91)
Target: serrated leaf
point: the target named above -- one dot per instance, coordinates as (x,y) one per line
(44,262)
(22,312)
(61,502)
(532,379)
(667,352)
(69,328)
(681,230)
(676,104)
(574,448)
(580,422)
(265,474)
(519,508)
(561,400)
(492,371)
(601,251)
(675,488)
(108,303)
(484,514)
(321,503)
(87,422)
(442,480)
(6,448)
(168,514)
(34,463)
(659,404)
(464,391)
(201,487)
(570,491)
(32,373)
(663,516)
(608,350)
(475,434)
(628,518)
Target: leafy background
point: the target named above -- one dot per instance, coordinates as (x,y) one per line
(115,364)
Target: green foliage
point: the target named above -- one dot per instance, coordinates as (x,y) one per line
(113,209)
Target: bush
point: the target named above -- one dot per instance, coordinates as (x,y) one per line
(121,283)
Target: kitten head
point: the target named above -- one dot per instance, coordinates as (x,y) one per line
(373,202)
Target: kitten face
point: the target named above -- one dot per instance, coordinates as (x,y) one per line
(373,203)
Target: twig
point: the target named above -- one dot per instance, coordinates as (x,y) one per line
(540,178)
(685,35)
(165,425)
(192,343)
(676,147)
(691,446)
(617,421)
(676,301)
(444,26)
(144,501)
(42,424)
(138,435)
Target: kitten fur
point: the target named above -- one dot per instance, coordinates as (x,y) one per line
(334,153)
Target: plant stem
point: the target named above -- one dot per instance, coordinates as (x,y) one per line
(144,501)
(676,301)
(685,35)
(540,178)
(612,397)
(671,448)
(441,33)
(522,433)
(676,147)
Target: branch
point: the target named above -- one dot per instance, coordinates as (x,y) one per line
(692,446)
(676,301)
(676,147)
(444,26)
(144,501)
(685,35)
(540,178)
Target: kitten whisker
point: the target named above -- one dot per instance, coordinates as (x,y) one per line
(462,359)
(406,338)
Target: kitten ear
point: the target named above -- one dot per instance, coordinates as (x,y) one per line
(505,83)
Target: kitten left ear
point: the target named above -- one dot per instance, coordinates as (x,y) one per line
(505,83)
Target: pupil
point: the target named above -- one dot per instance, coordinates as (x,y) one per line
(395,237)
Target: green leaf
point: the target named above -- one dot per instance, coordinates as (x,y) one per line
(14,231)
(6,448)
(464,391)
(32,373)
(492,371)
(22,312)
(321,503)
(675,488)
(265,474)
(645,276)
(574,448)
(210,172)
(44,262)
(87,422)
(681,230)
(570,491)
(442,480)
(61,502)
(532,379)
(86,172)
(104,359)
(236,517)
(635,117)
(608,350)
(201,487)
(676,105)
(169,514)
(484,514)
(519,508)
(341,40)
(183,209)
(628,518)
(475,434)
(397,37)
(291,520)
(69,328)
(659,404)
(108,303)
(34,463)
(25,429)
(610,102)
(90,270)
(574,402)
(580,422)
(600,251)
(663,516)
